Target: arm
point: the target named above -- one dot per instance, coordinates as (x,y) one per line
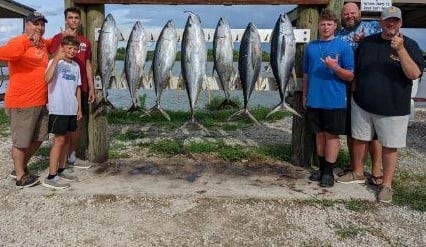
(14,49)
(344,74)
(304,89)
(90,83)
(79,111)
(50,72)
(410,68)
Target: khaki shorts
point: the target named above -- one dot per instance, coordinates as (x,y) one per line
(391,130)
(28,125)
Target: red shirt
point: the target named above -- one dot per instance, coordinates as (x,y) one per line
(84,53)
(27,66)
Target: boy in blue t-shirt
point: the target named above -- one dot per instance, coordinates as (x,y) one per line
(328,65)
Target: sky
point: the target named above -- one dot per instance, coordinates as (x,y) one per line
(263,16)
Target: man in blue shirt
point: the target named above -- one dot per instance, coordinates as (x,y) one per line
(327,67)
(354,30)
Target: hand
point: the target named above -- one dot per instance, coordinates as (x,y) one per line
(59,55)
(397,42)
(331,63)
(359,36)
(91,99)
(35,38)
(79,115)
(68,32)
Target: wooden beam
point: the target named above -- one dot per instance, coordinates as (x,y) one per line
(397,1)
(98,124)
(303,140)
(205,2)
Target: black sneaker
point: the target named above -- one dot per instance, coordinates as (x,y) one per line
(327,180)
(315,176)
(13,173)
(26,181)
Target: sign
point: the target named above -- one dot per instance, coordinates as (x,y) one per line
(375,5)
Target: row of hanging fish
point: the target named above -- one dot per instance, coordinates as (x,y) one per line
(194,60)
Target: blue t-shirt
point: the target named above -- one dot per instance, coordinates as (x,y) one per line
(369,27)
(325,89)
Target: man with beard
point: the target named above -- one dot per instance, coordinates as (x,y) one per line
(385,65)
(354,30)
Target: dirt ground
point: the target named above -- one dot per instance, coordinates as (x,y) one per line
(198,200)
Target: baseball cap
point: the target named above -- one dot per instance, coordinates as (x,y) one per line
(35,16)
(391,12)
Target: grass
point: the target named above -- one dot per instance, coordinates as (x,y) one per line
(130,135)
(324,203)
(348,232)
(410,190)
(208,118)
(170,148)
(215,102)
(40,165)
(358,205)
(4,122)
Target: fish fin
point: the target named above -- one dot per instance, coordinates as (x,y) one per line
(158,108)
(105,102)
(227,104)
(247,112)
(282,106)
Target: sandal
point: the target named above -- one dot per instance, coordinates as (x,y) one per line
(344,172)
(375,180)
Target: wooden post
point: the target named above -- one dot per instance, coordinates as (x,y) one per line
(303,140)
(336,6)
(98,124)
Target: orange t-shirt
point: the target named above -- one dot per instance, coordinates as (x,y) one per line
(27,66)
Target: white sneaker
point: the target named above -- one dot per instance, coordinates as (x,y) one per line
(72,158)
(54,183)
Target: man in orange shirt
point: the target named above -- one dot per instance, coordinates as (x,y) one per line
(26,95)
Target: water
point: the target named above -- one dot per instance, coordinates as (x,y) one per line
(177,100)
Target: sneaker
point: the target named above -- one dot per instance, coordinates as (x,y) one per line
(67,177)
(71,158)
(351,178)
(54,183)
(385,195)
(327,180)
(13,173)
(80,165)
(315,176)
(26,181)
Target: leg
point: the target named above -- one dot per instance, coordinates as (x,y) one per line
(376,157)
(30,151)
(67,145)
(56,153)
(359,149)
(349,141)
(18,156)
(320,143)
(390,157)
(332,147)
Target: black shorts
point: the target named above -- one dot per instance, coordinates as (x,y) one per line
(61,124)
(332,121)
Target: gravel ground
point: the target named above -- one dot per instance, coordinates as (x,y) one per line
(41,217)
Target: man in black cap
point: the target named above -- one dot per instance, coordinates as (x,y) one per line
(385,65)
(26,95)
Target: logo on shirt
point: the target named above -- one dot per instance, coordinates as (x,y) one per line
(82,47)
(68,75)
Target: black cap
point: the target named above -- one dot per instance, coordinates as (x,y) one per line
(35,16)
